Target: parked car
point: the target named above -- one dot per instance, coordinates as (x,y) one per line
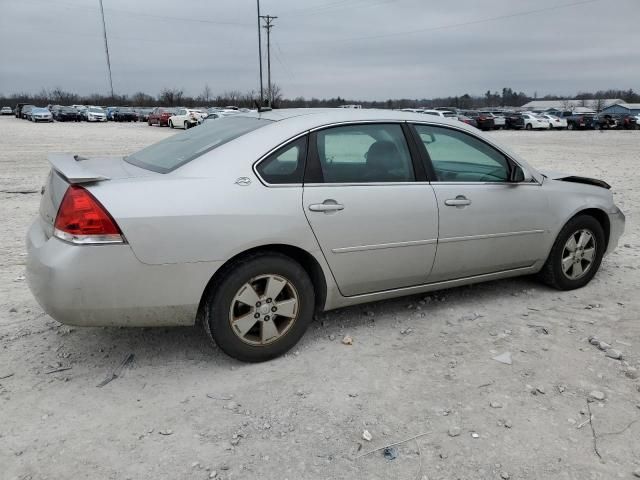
(160,116)
(143,114)
(440,113)
(125,114)
(625,121)
(18,110)
(499,121)
(95,114)
(485,122)
(468,120)
(40,114)
(25,113)
(6,111)
(535,122)
(578,121)
(514,121)
(152,239)
(554,122)
(185,118)
(110,111)
(65,114)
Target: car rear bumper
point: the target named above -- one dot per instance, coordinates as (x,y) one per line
(106,285)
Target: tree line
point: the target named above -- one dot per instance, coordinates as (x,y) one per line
(172,97)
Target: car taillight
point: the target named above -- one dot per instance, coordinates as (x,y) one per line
(82,219)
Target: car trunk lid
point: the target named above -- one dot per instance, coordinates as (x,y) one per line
(68,169)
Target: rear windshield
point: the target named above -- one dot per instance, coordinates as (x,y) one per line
(175,151)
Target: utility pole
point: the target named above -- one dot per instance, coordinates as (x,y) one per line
(106,48)
(259,55)
(268,20)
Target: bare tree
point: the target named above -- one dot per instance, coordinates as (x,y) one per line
(598,104)
(171,96)
(274,94)
(206,94)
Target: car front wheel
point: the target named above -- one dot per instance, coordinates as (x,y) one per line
(260,308)
(576,254)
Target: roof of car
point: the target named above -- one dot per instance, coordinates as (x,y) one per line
(312,117)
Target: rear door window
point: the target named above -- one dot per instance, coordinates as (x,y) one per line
(364,154)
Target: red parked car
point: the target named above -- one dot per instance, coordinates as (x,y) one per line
(160,116)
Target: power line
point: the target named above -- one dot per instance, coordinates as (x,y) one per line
(453,25)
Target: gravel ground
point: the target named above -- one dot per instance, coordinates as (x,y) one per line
(418,365)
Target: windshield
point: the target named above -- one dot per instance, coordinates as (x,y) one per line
(173,152)
(96,110)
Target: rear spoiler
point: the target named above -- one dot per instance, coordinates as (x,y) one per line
(71,168)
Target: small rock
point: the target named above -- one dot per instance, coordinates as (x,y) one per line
(332,337)
(347,340)
(571,421)
(13,310)
(454,431)
(604,346)
(495,405)
(561,388)
(597,395)
(613,353)
(505,476)
(367,436)
(224,466)
(636,473)
(504,358)
(540,390)
(231,406)
(195,465)
(594,341)
(213,474)
(474,435)
(165,432)
(406,331)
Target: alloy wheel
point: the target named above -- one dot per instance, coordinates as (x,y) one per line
(264,309)
(578,254)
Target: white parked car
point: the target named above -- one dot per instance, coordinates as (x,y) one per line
(440,113)
(186,118)
(96,114)
(535,122)
(555,122)
(6,111)
(499,120)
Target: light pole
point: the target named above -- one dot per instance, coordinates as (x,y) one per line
(106,48)
(259,55)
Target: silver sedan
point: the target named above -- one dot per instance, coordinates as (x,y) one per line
(250,223)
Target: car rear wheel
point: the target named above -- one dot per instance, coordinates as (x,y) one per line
(186,125)
(260,308)
(529,126)
(576,254)
(571,126)
(170,124)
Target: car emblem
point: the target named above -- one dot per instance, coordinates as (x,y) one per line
(243,181)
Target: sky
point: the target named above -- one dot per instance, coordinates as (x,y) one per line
(355,49)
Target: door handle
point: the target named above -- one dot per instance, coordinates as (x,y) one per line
(459,201)
(326,206)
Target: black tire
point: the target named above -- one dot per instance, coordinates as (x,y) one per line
(552,273)
(529,126)
(571,126)
(170,124)
(186,125)
(221,295)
